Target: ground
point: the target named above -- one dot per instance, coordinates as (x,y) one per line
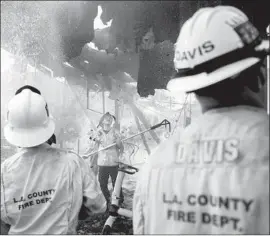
(95,225)
(121,226)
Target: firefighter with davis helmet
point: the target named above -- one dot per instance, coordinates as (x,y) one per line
(42,187)
(213,177)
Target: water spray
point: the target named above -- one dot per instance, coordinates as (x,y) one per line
(163,123)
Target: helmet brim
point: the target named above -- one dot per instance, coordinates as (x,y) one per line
(202,80)
(29,137)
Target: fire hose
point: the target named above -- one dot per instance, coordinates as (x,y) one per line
(115,210)
(163,123)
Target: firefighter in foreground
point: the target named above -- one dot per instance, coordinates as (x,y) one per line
(107,160)
(42,187)
(213,177)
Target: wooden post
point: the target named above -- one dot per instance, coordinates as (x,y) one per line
(136,111)
(101,82)
(87,94)
(142,135)
(116,112)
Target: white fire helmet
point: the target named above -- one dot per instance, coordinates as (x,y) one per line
(216,43)
(29,123)
(107,121)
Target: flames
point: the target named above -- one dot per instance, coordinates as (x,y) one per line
(98,24)
(92,45)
